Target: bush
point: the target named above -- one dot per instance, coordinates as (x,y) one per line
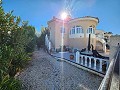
(10,84)
(16,41)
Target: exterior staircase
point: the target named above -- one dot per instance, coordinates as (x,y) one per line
(103,43)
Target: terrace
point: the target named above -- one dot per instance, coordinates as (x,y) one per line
(99,66)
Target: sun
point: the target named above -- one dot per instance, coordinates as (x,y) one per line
(64,15)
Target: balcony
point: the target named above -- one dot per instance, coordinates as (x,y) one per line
(77,35)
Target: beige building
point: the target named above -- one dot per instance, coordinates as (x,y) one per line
(74,33)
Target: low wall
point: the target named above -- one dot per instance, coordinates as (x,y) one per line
(114,40)
(114,50)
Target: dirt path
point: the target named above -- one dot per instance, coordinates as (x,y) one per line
(47,73)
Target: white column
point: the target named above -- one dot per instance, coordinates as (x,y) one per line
(49,46)
(77,56)
(81,60)
(94,63)
(45,41)
(104,47)
(85,61)
(89,62)
(100,69)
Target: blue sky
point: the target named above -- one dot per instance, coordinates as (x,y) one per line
(38,12)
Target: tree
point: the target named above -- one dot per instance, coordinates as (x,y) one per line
(41,39)
(15,43)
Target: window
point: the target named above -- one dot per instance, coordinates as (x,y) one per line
(73,30)
(76,29)
(62,30)
(79,29)
(91,30)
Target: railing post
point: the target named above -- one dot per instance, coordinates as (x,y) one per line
(94,63)
(89,62)
(107,65)
(49,47)
(100,69)
(85,60)
(77,56)
(46,40)
(81,60)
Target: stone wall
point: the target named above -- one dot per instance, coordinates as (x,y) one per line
(114,40)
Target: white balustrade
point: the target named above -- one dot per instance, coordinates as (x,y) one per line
(107,65)
(77,57)
(81,60)
(85,61)
(89,62)
(100,69)
(49,46)
(47,43)
(95,63)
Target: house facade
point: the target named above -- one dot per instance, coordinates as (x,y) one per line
(74,33)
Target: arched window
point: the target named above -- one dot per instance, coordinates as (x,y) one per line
(91,30)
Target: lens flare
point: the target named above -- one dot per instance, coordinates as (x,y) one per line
(64,15)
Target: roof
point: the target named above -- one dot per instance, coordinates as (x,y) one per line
(79,18)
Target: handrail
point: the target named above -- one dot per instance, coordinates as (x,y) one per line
(106,82)
(100,39)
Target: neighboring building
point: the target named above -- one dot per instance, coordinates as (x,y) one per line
(76,32)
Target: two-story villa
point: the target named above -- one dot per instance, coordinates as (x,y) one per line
(75,33)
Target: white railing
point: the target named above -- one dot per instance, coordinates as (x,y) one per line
(100,39)
(91,62)
(47,43)
(106,82)
(103,42)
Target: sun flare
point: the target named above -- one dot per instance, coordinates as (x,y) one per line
(64,15)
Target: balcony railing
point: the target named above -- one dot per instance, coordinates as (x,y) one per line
(47,43)
(97,64)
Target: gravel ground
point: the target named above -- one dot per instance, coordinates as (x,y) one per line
(47,73)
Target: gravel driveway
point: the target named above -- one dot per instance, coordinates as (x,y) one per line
(47,73)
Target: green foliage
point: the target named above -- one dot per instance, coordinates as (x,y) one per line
(16,41)
(10,84)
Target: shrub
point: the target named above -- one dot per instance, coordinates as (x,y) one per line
(10,84)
